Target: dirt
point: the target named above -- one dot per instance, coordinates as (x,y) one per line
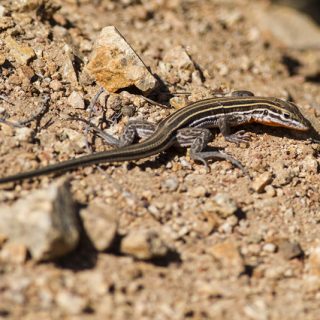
(235,248)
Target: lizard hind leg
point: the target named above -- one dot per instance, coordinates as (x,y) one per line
(134,129)
(242,93)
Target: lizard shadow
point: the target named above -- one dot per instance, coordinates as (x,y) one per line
(165,157)
(85,255)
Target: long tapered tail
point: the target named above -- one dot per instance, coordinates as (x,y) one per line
(132,152)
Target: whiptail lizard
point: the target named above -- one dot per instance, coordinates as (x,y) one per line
(188,127)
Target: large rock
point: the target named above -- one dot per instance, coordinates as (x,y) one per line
(101,224)
(115,65)
(45,222)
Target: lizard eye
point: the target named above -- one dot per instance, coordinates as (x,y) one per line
(265,112)
(286,115)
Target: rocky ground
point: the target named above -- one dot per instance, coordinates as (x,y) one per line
(158,238)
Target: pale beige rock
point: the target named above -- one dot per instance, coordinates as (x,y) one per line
(71,303)
(45,222)
(221,204)
(144,244)
(21,52)
(75,100)
(74,141)
(24,134)
(288,249)
(115,65)
(179,58)
(228,255)
(100,223)
(313,262)
(178,67)
(178,102)
(13,253)
(56,85)
(310,164)
(3,11)
(261,182)
(67,67)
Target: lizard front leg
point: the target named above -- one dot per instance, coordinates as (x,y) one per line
(237,137)
(197,139)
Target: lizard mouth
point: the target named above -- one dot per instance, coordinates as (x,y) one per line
(298,126)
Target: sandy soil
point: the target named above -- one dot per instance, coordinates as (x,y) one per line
(261,261)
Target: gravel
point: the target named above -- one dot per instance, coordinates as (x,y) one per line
(161,239)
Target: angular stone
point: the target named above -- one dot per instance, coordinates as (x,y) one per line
(75,100)
(144,244)
(45,222)
(115,65)
(222,205)
(101,224)
(261,182)
(179,58)
(289,250)
(2,11)
(67,67)
(228,254)
(21,52)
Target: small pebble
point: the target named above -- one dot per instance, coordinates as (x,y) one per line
(171,184)
(76,101)
(178,102)
(229,256)
(24,134)
(269,247)
(70,302)
(223,205)
(261,182)
(128,111)
(270,191)
(199,191)
(55,85)
(144,244)
(310,164)
(289,250)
